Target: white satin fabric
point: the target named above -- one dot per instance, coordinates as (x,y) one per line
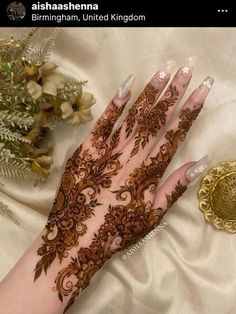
(190,267)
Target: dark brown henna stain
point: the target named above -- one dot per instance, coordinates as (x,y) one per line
(105,125)
(124,225)
(153,119)
(142,105)
(178,191)
(76,200)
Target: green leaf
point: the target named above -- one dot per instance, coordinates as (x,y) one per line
(15,118)
(8,135)
(17,168)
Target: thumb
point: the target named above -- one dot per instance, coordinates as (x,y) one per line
(176,184)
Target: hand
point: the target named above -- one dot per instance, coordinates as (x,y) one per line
(109,196)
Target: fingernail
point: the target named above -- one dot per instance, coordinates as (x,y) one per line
(208,82)
(185,73)
(199,95)
(163,75)
(197,169)
(125,87)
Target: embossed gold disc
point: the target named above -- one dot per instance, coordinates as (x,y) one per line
(217,196)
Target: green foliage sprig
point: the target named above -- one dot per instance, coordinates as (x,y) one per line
(32,93)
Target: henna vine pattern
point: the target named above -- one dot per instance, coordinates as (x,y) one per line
(153,117)
(77,196)
(142,105)
(178,191)
(125,224)
(105,125)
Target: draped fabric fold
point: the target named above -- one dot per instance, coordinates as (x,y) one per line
(188,267)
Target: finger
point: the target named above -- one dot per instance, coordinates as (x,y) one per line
(176,184)
(105,124)
(163,152)
(146,100)
(164,108)
(158,116)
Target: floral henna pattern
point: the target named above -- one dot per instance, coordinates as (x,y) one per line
(178,191)
(153,118)
(76,200)
(105,125)
(122,227)
(125,224)
(142,105)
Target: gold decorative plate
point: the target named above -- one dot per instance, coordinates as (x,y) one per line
(217,196)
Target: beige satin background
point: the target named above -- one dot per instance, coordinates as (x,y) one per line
(189,267)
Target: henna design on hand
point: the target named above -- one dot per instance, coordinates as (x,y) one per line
(105,124)
(76,199)
(152,117)
(89,187)
(178,191)
(121,229)
(124,225)
(142,104)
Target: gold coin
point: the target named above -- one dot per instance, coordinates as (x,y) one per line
(217,196)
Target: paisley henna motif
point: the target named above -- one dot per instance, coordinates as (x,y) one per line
(128,221)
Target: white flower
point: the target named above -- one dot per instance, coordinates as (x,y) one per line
(47,82)
(79,111)
(186,70)
(162,75)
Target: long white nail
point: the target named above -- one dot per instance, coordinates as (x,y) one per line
(125,87)
(208,82)
(194,171)
(202,91)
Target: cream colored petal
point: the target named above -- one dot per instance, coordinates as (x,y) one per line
(74,119)
(86,101)
(66,110)
(47,67)
(45,161)
(49,88)
(54,78)
(34,89)
(85,116)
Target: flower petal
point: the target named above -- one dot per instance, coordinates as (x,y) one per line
(54,78)
(66,109)
(85,101)
(85,116)
(47,67)
(34,89)
(74,119)
(49,88)
(45,161)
